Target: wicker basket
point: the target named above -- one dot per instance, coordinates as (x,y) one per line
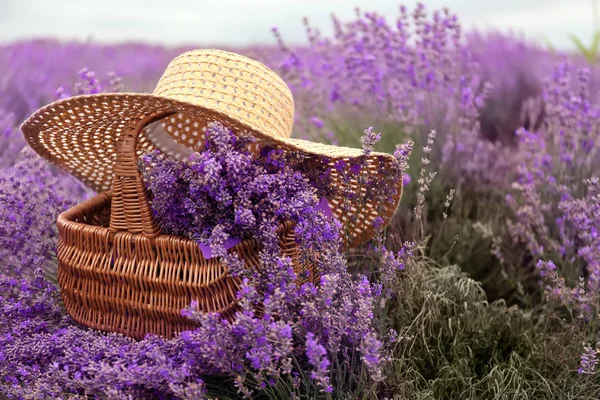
(119,273)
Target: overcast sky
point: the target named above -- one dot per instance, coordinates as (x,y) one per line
(241,22)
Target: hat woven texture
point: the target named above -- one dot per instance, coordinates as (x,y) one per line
(79,133)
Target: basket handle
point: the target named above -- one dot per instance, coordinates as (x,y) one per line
(130,209)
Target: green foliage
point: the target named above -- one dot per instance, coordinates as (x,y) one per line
(453,344)
(590,53)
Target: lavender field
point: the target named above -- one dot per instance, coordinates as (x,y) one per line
(485,284)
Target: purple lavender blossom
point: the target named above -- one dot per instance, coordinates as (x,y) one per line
(370,349)
(317,357)
(392,264)
(589,360)
(369,140)
(224,192)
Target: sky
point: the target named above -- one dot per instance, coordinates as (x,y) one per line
(243,22)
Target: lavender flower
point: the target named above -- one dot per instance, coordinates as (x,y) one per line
(90,84)
(317,357)
(369,140)
(370,349)
(589,360)
(392,264)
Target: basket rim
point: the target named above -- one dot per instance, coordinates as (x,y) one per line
(66,220)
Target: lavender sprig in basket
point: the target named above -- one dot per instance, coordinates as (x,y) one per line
(224,194)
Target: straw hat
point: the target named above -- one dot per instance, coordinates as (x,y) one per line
(199,86)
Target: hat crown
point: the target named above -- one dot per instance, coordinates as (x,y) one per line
(239,87)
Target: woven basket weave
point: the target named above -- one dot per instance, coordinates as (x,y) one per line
(119,273)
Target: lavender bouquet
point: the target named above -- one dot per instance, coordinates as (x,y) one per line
(224,194)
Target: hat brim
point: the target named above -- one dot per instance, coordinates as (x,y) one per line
(79,134)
